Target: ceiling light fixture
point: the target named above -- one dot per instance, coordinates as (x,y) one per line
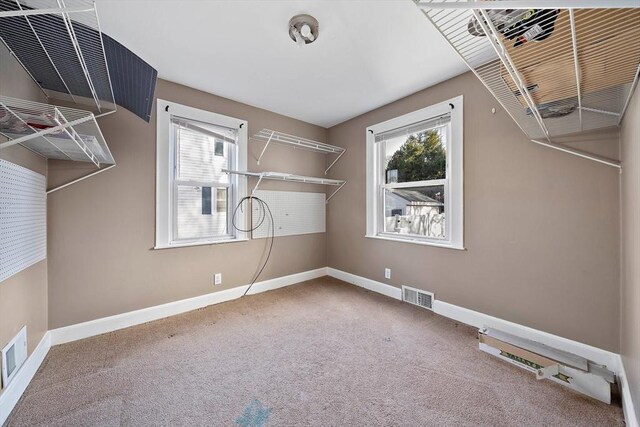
(303,29)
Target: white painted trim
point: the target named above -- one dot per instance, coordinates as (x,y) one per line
(363,282)
(611,360)
(12,394)
(137,317)
(165,162)
(454,184)
(480,320)
(630,415)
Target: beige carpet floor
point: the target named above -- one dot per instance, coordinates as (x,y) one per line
(321,353)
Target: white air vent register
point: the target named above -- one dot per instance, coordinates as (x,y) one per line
(14,355)
(418,297)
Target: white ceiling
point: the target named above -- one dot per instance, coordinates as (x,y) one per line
(368,54)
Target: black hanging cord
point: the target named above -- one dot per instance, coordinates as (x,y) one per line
(264,210)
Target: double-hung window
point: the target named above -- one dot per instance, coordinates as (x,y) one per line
(415,177)
(194,195)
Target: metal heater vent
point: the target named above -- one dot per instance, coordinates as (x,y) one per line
(418,297)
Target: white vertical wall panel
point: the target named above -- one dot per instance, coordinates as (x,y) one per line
(293,213)
(23,218)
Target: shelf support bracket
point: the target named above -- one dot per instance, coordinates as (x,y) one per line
(334,162)
(574,42)
(257,184)
(593,157)
(631,91)
(334,193)
(265,146)
(82,178)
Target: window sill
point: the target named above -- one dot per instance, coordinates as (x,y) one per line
(211,242)
(416,242)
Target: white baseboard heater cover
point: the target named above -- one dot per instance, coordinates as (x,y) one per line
(569,370)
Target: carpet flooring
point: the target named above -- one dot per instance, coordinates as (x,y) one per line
(321,353)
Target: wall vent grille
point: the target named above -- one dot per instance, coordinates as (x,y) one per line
(418,297)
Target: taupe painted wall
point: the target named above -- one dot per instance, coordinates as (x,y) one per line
(23,297)
(101,230)
(541,227)
(630,291)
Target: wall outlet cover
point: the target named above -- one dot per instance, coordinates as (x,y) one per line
(217,279)
(387,273)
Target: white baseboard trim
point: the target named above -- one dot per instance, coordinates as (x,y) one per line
(12,394)
(137,317)
(630,414)
(480,320)
(363,282)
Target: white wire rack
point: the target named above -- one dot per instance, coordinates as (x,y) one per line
(269,136)
(54,132)
(59,44)
(279,176)
(556,71)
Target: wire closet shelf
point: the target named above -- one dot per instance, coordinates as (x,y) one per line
(279,176)
(556,71)
(54,132)
(269,136)
(59,41)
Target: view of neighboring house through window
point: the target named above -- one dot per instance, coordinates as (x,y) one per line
(420,159)
(194,193)
(415,167)
(203,151)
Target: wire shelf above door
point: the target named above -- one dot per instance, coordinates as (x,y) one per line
(556,71)
(279,176)
(53,132)
(269,136)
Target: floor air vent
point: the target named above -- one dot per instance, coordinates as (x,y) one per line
(417,297)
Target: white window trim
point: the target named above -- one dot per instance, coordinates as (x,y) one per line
(455,173)
(164,158)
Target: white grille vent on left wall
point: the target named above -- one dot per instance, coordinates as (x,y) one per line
(23,219)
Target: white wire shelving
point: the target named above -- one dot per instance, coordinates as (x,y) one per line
(59,44)
(279,176)
(54,132)
(269,136)
(557,67)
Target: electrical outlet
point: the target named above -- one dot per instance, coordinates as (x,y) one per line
(387,273)
(217,279)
